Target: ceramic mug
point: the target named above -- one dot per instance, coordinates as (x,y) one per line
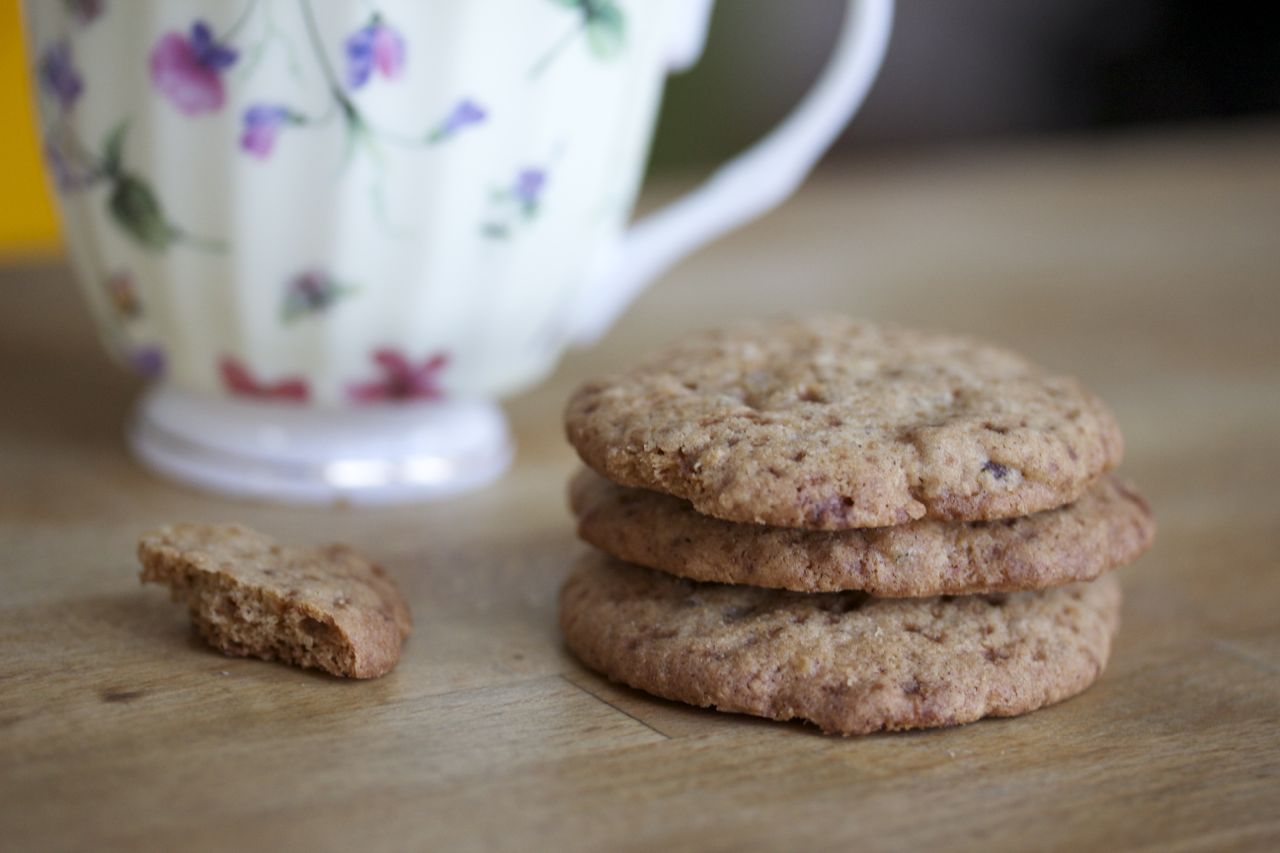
(336,231)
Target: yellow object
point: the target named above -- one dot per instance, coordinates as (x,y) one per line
(27,222)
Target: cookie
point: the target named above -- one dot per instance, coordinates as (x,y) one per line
(848,662)
(829,424)
(327,608)
(1109,526)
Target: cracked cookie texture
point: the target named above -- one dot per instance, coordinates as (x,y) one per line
(830,423)
(1108,526)
(249,596)
(847,662)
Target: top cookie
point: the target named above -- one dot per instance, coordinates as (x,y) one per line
(830,424)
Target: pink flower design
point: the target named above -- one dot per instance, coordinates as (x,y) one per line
(261,124)
(188,69)
(401,380)
(374,47)
(239,381)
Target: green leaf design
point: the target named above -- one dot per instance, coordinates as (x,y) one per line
(606,29)
(603,24)
(136,210)
(113,150)
(134,206)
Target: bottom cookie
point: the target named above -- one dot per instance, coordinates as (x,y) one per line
(847,662)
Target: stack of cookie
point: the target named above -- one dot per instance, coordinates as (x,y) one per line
(869,528)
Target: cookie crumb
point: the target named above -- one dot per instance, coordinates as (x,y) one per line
(249,596)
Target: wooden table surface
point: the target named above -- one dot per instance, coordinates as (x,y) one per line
(1147,266)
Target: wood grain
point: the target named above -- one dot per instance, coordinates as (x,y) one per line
(1146,266)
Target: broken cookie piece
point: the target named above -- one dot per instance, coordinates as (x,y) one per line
(249,596)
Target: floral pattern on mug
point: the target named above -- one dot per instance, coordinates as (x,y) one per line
(58,78)
(401,379)
(188,69)
(84,12)
(58,74)
(311,293)
(68,177)
(242,383)
(262,123)
(147,362)
(375,47)
(134,206)
(463,115)
(605,27)
(517,204)
(123,296)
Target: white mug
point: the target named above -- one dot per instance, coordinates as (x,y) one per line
(336,231)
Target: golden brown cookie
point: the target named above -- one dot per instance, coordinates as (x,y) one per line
(850,663)
(829,424)
(327,608)
(1109,526)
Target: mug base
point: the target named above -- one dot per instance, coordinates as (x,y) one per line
(396,453)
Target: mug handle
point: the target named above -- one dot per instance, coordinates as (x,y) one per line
(749,185)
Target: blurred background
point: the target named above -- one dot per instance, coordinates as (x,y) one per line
(958,73)
(980,71)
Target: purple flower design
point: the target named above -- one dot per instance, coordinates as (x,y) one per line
(64,177)
(261,125)
(68,176)
(515,205)
(208,52)
(58,74)
(147,361)
(188,69)
(464,114)
(374,47)
(312,292)
(527,190)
